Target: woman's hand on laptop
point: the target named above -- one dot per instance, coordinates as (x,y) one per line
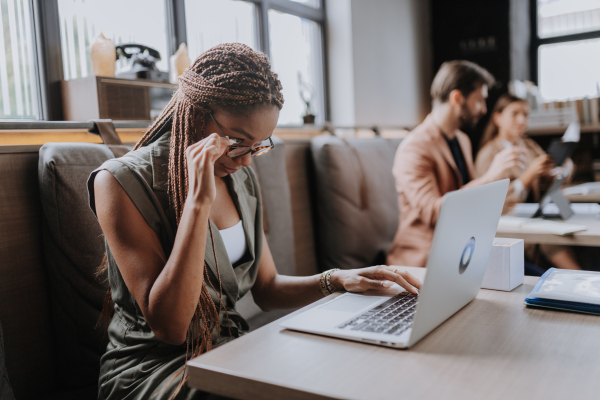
(380,277)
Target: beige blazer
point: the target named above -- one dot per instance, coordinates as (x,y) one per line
(424,170)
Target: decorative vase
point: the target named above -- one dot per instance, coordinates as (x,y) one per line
(104,56)
(179,62)
(309,119)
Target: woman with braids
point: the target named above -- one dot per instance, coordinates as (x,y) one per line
(182,219)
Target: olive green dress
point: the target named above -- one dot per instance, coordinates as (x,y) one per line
(136,364)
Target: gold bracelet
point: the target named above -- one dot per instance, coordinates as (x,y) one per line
(323,285)
(325,282)
(328,279)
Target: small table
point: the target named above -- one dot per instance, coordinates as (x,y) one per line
(494,348)
(590,237)
(583,198)
(592,196)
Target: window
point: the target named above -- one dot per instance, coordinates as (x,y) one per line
(18,75)
(292,35)
(566,48)
(121,21)
(570,70)
(310,3)
(567,17)
(290,32)
(296,57)
(210,22)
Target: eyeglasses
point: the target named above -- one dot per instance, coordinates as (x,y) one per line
(237,150)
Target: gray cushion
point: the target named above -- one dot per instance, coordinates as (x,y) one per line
(74,247)
(357,204)
(275,190)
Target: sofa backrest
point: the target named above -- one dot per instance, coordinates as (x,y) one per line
(73,248)
(277,217)
(357,204)
(276,197)
(300,173)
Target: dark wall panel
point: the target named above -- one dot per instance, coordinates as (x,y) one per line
(478,31)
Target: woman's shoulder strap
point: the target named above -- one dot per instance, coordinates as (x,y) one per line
(136,173)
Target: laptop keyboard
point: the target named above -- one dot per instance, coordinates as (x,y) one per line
(391,317)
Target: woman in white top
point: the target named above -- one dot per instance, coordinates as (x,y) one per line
(182,219)
(506,128)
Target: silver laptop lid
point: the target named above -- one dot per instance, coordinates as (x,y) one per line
(461,245)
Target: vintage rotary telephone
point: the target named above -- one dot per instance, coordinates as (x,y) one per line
(139,62)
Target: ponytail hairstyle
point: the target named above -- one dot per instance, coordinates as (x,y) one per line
(491,129)
(237,79)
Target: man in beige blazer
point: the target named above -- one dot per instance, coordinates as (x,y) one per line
(436,158)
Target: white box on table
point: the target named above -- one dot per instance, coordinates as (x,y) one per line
(506,265)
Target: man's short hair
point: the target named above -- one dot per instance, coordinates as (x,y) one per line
(462,75)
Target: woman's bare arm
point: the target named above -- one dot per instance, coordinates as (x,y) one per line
(166,291)
(273,291)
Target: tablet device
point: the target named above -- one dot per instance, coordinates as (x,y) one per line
(560,151)
(553,195)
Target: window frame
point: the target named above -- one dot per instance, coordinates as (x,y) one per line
(48,43)
(536,41)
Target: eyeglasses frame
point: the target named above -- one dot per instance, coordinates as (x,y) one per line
(253,152)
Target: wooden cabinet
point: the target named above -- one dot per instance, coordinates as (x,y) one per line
(97,97)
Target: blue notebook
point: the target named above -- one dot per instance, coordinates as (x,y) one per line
(568,290)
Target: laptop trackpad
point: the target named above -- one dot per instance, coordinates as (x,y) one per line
(351,303)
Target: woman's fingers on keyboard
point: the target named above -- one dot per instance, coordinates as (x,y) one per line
(404,279)
(413,280)
(407,277)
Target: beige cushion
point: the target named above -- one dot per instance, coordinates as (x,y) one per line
(275,194)
(300,175)
(357,204)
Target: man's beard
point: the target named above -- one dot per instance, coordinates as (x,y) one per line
(468,120)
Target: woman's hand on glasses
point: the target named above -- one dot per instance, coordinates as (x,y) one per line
(201,157)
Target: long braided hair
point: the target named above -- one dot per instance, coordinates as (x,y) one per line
(238,79)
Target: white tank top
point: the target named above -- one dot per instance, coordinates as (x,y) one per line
(235,242)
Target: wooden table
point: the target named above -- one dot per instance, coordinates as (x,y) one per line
(494,348)
(593,196)
(583,198)
(590,237)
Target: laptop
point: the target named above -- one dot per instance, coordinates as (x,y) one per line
(461,245)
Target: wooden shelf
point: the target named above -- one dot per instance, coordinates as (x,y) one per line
(16,137)
(300,132)
(561,130)
(41,136)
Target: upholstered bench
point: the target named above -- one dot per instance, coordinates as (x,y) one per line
(328,203)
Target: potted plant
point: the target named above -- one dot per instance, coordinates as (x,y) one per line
(306,94)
